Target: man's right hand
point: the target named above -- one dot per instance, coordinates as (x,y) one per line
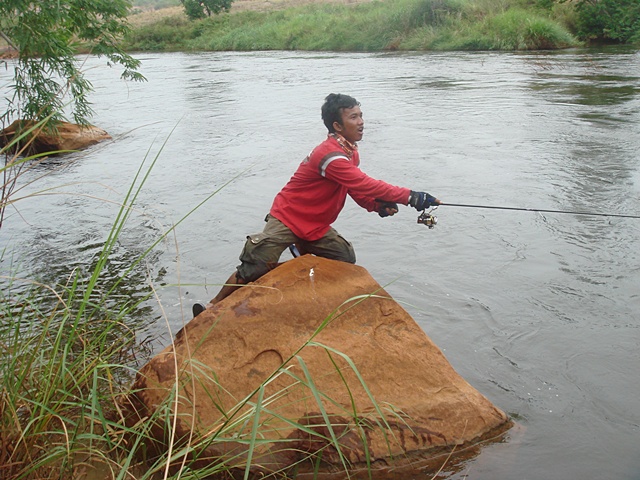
(422,200)
(387,209)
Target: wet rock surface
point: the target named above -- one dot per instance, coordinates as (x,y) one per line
(369,380)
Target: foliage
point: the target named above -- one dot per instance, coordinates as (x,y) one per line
(47,36)
(617,20)
(196,9)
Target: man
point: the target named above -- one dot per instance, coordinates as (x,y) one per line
(303,211)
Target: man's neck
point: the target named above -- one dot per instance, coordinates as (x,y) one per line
(346,145)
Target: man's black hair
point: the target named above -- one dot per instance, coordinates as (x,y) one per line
(332,109)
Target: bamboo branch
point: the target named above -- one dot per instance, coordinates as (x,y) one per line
(8,40)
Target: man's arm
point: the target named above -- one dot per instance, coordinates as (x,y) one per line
(365,190)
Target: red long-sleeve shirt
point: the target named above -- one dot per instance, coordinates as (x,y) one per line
(314,196)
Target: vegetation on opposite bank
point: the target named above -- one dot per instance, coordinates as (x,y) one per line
(373,26)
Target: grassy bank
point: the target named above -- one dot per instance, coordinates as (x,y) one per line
(369,26)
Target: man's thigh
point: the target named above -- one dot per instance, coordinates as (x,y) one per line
(333,246)
(262,251)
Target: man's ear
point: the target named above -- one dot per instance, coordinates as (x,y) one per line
(337,126)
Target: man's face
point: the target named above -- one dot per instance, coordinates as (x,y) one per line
(352,127)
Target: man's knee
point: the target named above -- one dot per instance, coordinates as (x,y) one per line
(250,272)
(259,255)
(333,246)
(343,251)
(349,255)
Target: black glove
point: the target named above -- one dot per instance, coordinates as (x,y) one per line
(382,208)
(422,200)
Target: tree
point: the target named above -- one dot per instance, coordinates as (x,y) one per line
(47,36)
(196,9)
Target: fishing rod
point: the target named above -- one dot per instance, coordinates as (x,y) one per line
(542,210)
(430,220)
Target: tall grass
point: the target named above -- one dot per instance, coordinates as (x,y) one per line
(64,354)
(371,26)
(59,368)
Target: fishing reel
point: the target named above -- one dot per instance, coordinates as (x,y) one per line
(426,218)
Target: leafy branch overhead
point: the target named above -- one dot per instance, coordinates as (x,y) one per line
(48,35)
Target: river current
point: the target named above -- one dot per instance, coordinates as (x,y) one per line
(538,311)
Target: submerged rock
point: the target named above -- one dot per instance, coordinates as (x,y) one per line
(67,136)
(370,380)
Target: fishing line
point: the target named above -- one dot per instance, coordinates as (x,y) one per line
(541,210)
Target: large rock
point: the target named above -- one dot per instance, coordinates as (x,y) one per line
(66,136)
(414,407)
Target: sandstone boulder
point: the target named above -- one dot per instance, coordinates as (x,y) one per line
(67,136)
(370,388)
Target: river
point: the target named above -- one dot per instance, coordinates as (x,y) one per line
(538,311)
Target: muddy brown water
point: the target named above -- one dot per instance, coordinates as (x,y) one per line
(539,312)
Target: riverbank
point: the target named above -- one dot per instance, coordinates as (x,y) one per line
(358,25)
